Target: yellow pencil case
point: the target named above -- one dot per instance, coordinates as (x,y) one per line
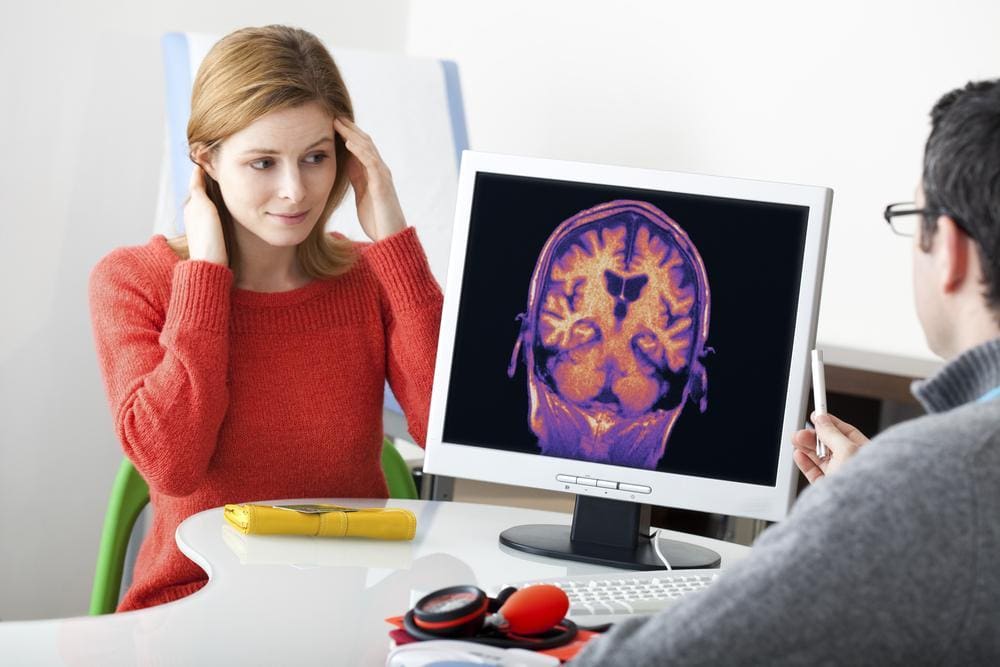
(379,523)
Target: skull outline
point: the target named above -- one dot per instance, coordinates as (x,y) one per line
(620,424)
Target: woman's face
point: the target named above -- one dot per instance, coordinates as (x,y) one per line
(276,174)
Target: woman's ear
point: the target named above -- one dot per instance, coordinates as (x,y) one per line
(209,167)
(205,159)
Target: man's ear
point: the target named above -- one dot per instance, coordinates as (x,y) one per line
(953,254)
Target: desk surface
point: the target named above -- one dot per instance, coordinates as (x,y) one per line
(277,600)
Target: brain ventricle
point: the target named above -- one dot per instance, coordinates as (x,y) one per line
(616,314)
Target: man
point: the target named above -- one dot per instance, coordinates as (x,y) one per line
(891,559)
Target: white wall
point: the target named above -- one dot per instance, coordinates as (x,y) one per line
(81,134)
(832,94)
(828,94)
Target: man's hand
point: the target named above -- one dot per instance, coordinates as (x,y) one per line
(841,439)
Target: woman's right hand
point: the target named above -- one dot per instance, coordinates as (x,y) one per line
(202,223)
(841,439)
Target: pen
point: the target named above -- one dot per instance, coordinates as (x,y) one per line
(819,395)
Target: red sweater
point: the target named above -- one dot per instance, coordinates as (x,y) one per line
(222,395)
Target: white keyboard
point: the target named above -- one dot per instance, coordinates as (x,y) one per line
(595,599)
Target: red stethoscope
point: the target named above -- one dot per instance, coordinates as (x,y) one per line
(530,618)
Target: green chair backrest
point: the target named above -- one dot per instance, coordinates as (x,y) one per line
(398,477)
(130,494)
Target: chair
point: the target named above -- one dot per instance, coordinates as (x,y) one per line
(130,494)
(398,477)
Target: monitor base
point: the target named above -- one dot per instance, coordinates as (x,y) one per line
(555,541)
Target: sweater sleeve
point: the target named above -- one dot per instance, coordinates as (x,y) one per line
(411,307)
(165,370)
(853,575)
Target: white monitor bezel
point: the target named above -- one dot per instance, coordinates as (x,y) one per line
(667,489)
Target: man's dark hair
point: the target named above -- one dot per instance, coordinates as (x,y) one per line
(962,173)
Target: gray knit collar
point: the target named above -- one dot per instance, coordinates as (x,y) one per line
(966,378)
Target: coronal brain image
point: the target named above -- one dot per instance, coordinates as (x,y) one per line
(614,334)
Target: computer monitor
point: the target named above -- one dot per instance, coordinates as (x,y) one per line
(634,337)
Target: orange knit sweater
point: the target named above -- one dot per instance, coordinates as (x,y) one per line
(222,395)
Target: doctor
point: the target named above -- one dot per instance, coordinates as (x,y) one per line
(889,557)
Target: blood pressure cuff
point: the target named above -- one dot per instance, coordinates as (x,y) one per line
(379,523)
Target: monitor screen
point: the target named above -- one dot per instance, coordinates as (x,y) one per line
(627,327)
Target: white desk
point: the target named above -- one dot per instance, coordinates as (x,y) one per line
(301,601)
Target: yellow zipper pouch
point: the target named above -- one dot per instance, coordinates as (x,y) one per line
(318,520)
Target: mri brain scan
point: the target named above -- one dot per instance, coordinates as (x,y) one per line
(614,335)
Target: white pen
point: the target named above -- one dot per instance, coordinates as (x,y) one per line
(819,395)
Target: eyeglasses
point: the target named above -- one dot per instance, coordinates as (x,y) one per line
(904,217)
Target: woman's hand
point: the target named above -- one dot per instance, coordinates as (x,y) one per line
(841,439)
(202,223)
(378,206)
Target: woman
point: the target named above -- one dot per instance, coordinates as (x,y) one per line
(247,360)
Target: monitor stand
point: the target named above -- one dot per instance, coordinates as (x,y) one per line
(614,533)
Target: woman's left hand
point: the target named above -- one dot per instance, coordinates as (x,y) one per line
(378,205)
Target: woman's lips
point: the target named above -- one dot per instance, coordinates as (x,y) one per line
(289,218)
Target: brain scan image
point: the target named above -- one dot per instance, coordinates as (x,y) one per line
(614,335)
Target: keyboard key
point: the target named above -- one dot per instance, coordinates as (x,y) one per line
(649,606)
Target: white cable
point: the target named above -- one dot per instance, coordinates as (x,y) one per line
(659,554)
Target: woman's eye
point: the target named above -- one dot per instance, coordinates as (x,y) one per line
(316,158)
(263,163)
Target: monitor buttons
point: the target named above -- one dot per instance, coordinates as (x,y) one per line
(634,488)
(602,484)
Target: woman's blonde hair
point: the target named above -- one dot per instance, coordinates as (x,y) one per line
(252,72)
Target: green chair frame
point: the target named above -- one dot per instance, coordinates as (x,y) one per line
(130,494)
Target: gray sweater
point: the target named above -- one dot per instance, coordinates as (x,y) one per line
(893,560)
